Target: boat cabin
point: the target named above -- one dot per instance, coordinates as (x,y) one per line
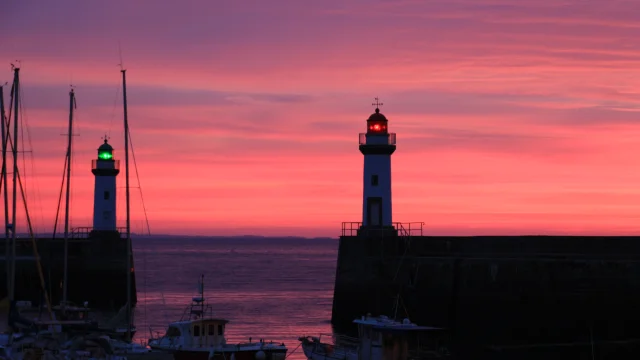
(70,312)
(384,339)
(196,333)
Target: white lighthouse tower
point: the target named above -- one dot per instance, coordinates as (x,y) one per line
(105,169)
(377,145)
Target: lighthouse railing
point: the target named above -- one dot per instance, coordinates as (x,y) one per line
(391,140)
(414,228)
(105,164)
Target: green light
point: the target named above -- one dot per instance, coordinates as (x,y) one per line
(105,155)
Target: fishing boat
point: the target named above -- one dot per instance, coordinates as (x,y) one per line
(43,347)
(70,319)
(198,335)
(380,338)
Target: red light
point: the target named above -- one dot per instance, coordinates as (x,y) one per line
(376,127)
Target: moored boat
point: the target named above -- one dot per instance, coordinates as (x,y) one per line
(381,338)
(70,319)
(201,336)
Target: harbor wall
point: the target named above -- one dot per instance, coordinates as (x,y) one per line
(96,271)
(497,294)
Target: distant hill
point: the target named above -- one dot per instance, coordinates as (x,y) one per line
(228,239)
(206,237)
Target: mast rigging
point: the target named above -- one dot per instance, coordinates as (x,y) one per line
(17,181)
(72,103)
(3,181)
(16,96)
(128,230)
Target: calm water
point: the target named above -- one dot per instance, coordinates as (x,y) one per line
(277,289)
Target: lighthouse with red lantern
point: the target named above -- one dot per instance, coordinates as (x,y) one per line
(377,145)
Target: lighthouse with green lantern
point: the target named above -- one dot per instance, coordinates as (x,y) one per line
(105,168)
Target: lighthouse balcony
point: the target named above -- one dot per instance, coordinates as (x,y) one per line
(377,139)
(99,164)
(396,229)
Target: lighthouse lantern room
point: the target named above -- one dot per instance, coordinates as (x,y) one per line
(377,145)
(105,169)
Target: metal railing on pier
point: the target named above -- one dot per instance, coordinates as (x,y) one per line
(403,229)
(83,232)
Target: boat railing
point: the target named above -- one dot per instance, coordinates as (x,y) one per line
(336,344)
(196,311)
(254,343)
(338,340)
(414,228)
(347,341)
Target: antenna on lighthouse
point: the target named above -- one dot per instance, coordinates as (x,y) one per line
(377,104)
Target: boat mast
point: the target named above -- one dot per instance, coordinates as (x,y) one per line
(5,194)
(72,102)
(202,296)
(17,182)
(201,306)
(126,164)
(16,109)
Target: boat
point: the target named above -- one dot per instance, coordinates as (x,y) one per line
(70,318)
(198,335)
(48,347)
(340,347)
(380,338)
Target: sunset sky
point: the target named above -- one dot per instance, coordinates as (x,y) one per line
(512,117)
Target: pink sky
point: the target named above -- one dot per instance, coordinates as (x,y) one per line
(512,117)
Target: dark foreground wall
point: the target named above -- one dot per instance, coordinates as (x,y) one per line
(96,271)
(500,295)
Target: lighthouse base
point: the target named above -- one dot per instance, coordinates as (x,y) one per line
(377,231)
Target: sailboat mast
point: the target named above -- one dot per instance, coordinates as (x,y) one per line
(5,193)
(126,165)
(202,294)
(16,109)
(66,209)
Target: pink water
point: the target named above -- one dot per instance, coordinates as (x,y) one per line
(277,289)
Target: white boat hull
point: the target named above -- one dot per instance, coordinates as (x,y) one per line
(315,350)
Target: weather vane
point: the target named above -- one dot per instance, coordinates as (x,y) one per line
(377,103)
(106,137)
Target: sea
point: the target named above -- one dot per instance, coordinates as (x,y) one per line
(277,289)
